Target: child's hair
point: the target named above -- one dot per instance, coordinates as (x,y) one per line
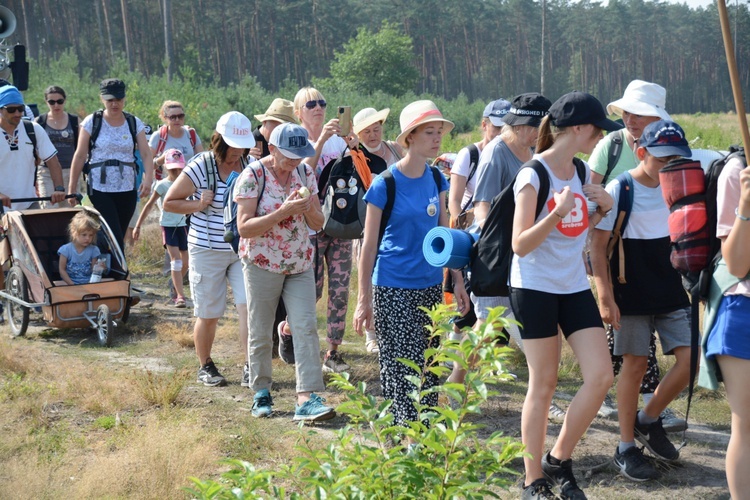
(82,221)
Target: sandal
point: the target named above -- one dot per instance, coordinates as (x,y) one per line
(179,302)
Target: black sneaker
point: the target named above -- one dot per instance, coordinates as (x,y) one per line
(562,475)
(654,437)
(245,376)
(633,465)
(209,375)
(2,312)
(538,489)
(286,345)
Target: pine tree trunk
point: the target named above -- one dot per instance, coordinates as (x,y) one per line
(126,32)
(168,49)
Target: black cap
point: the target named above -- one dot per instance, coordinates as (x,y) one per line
(527,109)
(112,88)
(580,108)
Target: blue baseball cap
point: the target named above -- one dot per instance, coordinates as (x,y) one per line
(291,139)
(496,111)
(664,138)
(10,95)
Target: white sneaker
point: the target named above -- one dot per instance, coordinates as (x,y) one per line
(556,414)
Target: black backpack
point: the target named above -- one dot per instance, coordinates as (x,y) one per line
(615,151)
(343,199)
(492,253)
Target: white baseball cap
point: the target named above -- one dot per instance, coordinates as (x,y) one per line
(236,130)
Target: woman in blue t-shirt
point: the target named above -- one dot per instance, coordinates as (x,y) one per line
(549,288)
(395,280)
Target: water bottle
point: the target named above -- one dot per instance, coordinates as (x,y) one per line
(98,270)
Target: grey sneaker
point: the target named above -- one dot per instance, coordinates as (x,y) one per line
(209,375)
(671,422)
(334,363)
(653,437)
(556,414)
(371,346)
(538,489)
(286,345)
(262,403)
(633,465)
(313,410)
(245,376)
(562,475)
(608,409)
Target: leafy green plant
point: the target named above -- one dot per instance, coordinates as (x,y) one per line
(440,456)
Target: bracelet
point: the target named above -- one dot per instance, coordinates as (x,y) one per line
(602,212)
(556,213)
(741,217)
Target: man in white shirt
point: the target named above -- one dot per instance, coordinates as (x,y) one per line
(19,157)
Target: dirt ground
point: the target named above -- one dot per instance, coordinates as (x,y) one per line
(698,475)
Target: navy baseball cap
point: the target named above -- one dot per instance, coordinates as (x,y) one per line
(664,138)
(292,141)
(580,108)
(496,111)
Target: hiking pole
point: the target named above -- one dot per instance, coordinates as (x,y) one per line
(734,76)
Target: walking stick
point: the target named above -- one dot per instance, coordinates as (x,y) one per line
(734,76)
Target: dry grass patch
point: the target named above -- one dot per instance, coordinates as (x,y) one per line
(177,332)
(161,389)
(148,458)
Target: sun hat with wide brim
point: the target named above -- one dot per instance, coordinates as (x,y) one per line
(368,116)
(641,98)
(418,113)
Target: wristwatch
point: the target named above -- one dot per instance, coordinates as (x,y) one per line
(60,189)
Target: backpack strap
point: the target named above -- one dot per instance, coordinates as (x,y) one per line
(211,170)
(73,119)
(390,197)
(42,119)
(473,164)
(162,140)
(615,151)
(96,127)
(29,126)
(132,126)
(544,184)
(624,207)
(193,136)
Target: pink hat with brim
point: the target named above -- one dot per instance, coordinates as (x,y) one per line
(418,113)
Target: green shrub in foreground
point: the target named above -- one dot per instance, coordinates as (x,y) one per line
(371,458)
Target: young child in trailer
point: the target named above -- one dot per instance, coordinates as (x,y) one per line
(173,226)
(78,258)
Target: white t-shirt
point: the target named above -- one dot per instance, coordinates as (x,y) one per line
(462,166)
(331,150)
(556,265)
(112,143)
(17,166)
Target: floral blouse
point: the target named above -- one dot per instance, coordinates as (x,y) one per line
(286,247)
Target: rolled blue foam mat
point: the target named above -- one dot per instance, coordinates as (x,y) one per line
(443,247)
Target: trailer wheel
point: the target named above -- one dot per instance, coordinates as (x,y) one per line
(18,315)
(105,329)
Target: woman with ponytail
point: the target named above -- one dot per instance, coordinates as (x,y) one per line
(549,288)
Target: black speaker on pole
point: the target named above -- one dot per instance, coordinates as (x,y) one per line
(20,68)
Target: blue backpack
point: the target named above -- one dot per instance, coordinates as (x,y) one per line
(231,231)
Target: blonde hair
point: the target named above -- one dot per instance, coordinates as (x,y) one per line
(303,95)
(81,222)
(169,105)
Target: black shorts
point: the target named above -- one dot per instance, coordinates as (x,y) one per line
(540,312)
(175,237)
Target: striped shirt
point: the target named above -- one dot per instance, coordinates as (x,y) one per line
(207,227)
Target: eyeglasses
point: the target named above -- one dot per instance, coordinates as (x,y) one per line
(180,116)
(15,109)
(320,102)
(52,102)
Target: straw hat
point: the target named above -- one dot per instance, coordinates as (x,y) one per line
(367,117)
(641,98)
(418,113)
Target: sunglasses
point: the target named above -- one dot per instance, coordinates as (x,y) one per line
(52,102)
(320,102)
(15,109)
(180,116)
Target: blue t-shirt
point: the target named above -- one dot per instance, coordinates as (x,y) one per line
(79,264)
(416,210)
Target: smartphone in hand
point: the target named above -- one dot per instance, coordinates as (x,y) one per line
(344,115)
